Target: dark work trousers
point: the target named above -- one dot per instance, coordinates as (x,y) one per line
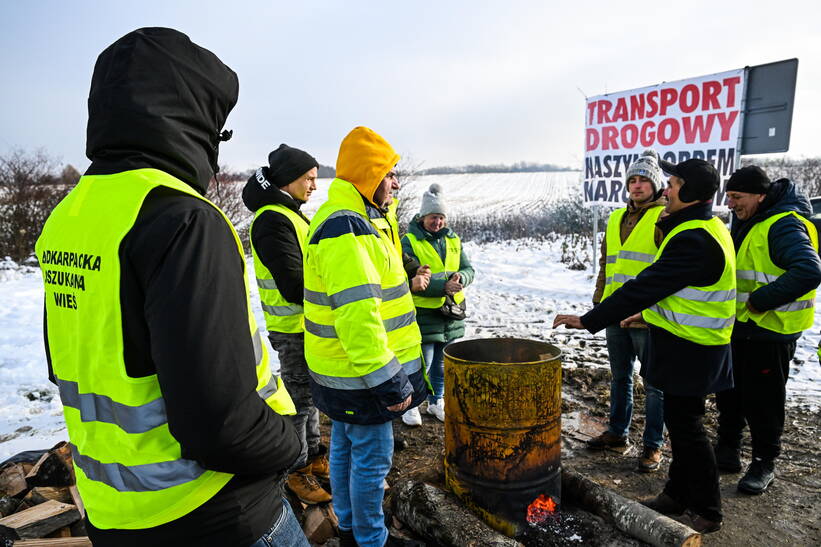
(294,371)
(760,371)
(693,476)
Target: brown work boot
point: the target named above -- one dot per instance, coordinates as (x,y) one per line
(607,440)
(665,505)
(305,486)
(650,459)
(319,464)
(704,525)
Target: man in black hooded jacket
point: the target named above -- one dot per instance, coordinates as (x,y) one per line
(157,104)
(778,271)
(275,193)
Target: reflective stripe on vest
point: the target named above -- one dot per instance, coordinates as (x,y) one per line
(128,465)
(702,315)
(625,261)
(358,332)
(756,269)
(426,254)
(280,314)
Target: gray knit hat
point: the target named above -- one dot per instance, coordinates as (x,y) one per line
(647,166)
(433,202)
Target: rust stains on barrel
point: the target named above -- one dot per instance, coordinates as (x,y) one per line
(502,425)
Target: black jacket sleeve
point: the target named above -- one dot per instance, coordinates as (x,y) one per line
(691,258)
(276,244)
(790,250)
(191,275)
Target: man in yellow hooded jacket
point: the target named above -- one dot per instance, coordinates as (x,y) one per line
(362,343)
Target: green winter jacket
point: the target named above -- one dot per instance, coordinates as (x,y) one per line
(434,326)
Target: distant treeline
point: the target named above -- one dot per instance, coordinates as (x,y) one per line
(518,167)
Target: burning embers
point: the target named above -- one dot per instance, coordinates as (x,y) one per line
(541,509)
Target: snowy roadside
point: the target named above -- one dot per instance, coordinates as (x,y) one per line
(520,285)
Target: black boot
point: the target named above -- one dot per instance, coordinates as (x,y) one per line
(759,476)
(728,459)
(346,538)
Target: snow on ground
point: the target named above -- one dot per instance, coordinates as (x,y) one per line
(520,286)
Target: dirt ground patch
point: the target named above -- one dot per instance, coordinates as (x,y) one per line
(787,514)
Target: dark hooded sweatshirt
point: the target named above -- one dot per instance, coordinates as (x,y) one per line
(274,238)
(790,249)
(159,101)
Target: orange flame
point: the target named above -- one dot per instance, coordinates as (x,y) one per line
(541,508)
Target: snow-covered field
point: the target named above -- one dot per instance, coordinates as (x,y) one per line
(520,285)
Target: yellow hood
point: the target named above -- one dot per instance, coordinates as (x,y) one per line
(364,160)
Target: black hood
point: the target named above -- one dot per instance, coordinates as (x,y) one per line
(158,100)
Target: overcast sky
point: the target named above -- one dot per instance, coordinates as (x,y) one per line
(447,83)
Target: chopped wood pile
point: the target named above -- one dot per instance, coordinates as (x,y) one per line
(39,502)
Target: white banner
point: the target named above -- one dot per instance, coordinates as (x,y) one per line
(693,118)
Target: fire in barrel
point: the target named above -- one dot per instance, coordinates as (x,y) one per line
(503,428)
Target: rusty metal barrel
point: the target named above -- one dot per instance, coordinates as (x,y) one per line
(503,427)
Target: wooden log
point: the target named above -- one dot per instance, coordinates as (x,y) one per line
(627,515)
(50,470)
(64,532)
(55,542)
(13,480)
(8,505)
(41,494)
(320,523)
(436,515)
(38,521)
(75,498)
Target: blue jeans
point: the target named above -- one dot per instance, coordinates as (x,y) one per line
(434,354)
(285,532)
(361,458)
(623,346)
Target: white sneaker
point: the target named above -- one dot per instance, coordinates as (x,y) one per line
(412,417)
(437,410)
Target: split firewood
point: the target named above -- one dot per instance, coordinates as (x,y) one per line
(55,542)
(320,523)
(433,513)
(627,515)
(13,480)
(41,494)
(38,521)
(75,498)
(50,470)
(64,532)
(8,505)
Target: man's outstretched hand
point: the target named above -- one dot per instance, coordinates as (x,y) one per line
(569,321)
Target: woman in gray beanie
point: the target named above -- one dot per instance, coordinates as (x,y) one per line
(440,308)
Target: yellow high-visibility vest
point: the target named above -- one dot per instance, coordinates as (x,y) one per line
(426,254)
(624,261)
(756,269)
(280,314)
(702,315)
(129,468)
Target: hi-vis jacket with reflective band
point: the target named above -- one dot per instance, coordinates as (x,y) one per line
(362,343)
(426,254)
(625,261)
(702,315)
(756,269)
(280,315)
(128,465)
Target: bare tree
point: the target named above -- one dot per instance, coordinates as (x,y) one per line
(225,191)
(29,190)
(804,172)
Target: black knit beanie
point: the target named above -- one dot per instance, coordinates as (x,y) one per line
(751,179)
(286,164)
